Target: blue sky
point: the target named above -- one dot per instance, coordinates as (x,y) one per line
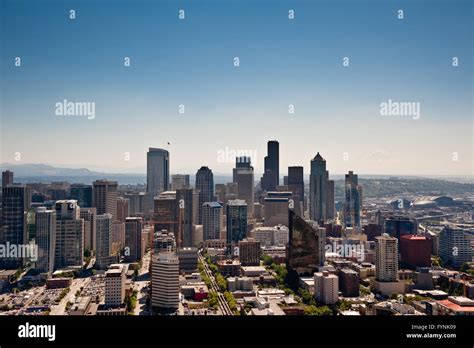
(282,62)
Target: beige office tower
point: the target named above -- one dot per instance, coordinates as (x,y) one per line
(220,191)
(123,208)
(165,281)
(245,188)
(89,215)
(45,221)
(195,207)
(69,249)
(276,211)
(386,258)
(166,212)
(118,237)
(197,235)
(249,252)
(115,279)
(179,181)
(104,197)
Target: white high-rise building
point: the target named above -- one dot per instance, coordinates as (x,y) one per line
(45,221)
(326,287)
(165,281)
(271,236)
(386,258)
(115,278)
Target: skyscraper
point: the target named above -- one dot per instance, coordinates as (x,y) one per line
(115,279)
(305,251)
(89,216)
(158,172)
(212,220)
(397,226)
(104,241)
(296,184)
(184,198)
(133,239)
(236,222)
(69,249)
(179,181)
(249,252)
(45,221)
(82,194)
(317,189)
(386,259)
(352,201)
(245,187)
(7,178)
(205,188)
(241,162)
(455,246)
(166,212)
(104,197)
(165,281)
(330,208)
(123,208)
(271,176)
(16,200)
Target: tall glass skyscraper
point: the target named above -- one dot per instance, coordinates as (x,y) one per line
(157,172)
(352,200)
(82,194)
(16,200)
(205,188)
(271,176)
(236,222)
(317,189)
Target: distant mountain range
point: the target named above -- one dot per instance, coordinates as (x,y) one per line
(374,185)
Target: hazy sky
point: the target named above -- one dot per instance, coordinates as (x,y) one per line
(282,62)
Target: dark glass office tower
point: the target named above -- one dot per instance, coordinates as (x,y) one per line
(236,222)
(271,177)
(16,201)
(7,178)
(296,182)
(82,194)
(184,198)
(157,173)
(317,189)
(205,188)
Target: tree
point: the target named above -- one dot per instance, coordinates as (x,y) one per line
(306,297)
(221,282)
(464,267)
(213,299)
(313,310)
(343,305)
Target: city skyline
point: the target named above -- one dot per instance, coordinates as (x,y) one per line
(283,63)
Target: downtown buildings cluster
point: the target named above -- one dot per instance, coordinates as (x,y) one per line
(249,247)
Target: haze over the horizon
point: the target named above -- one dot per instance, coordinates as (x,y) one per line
(238,109)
